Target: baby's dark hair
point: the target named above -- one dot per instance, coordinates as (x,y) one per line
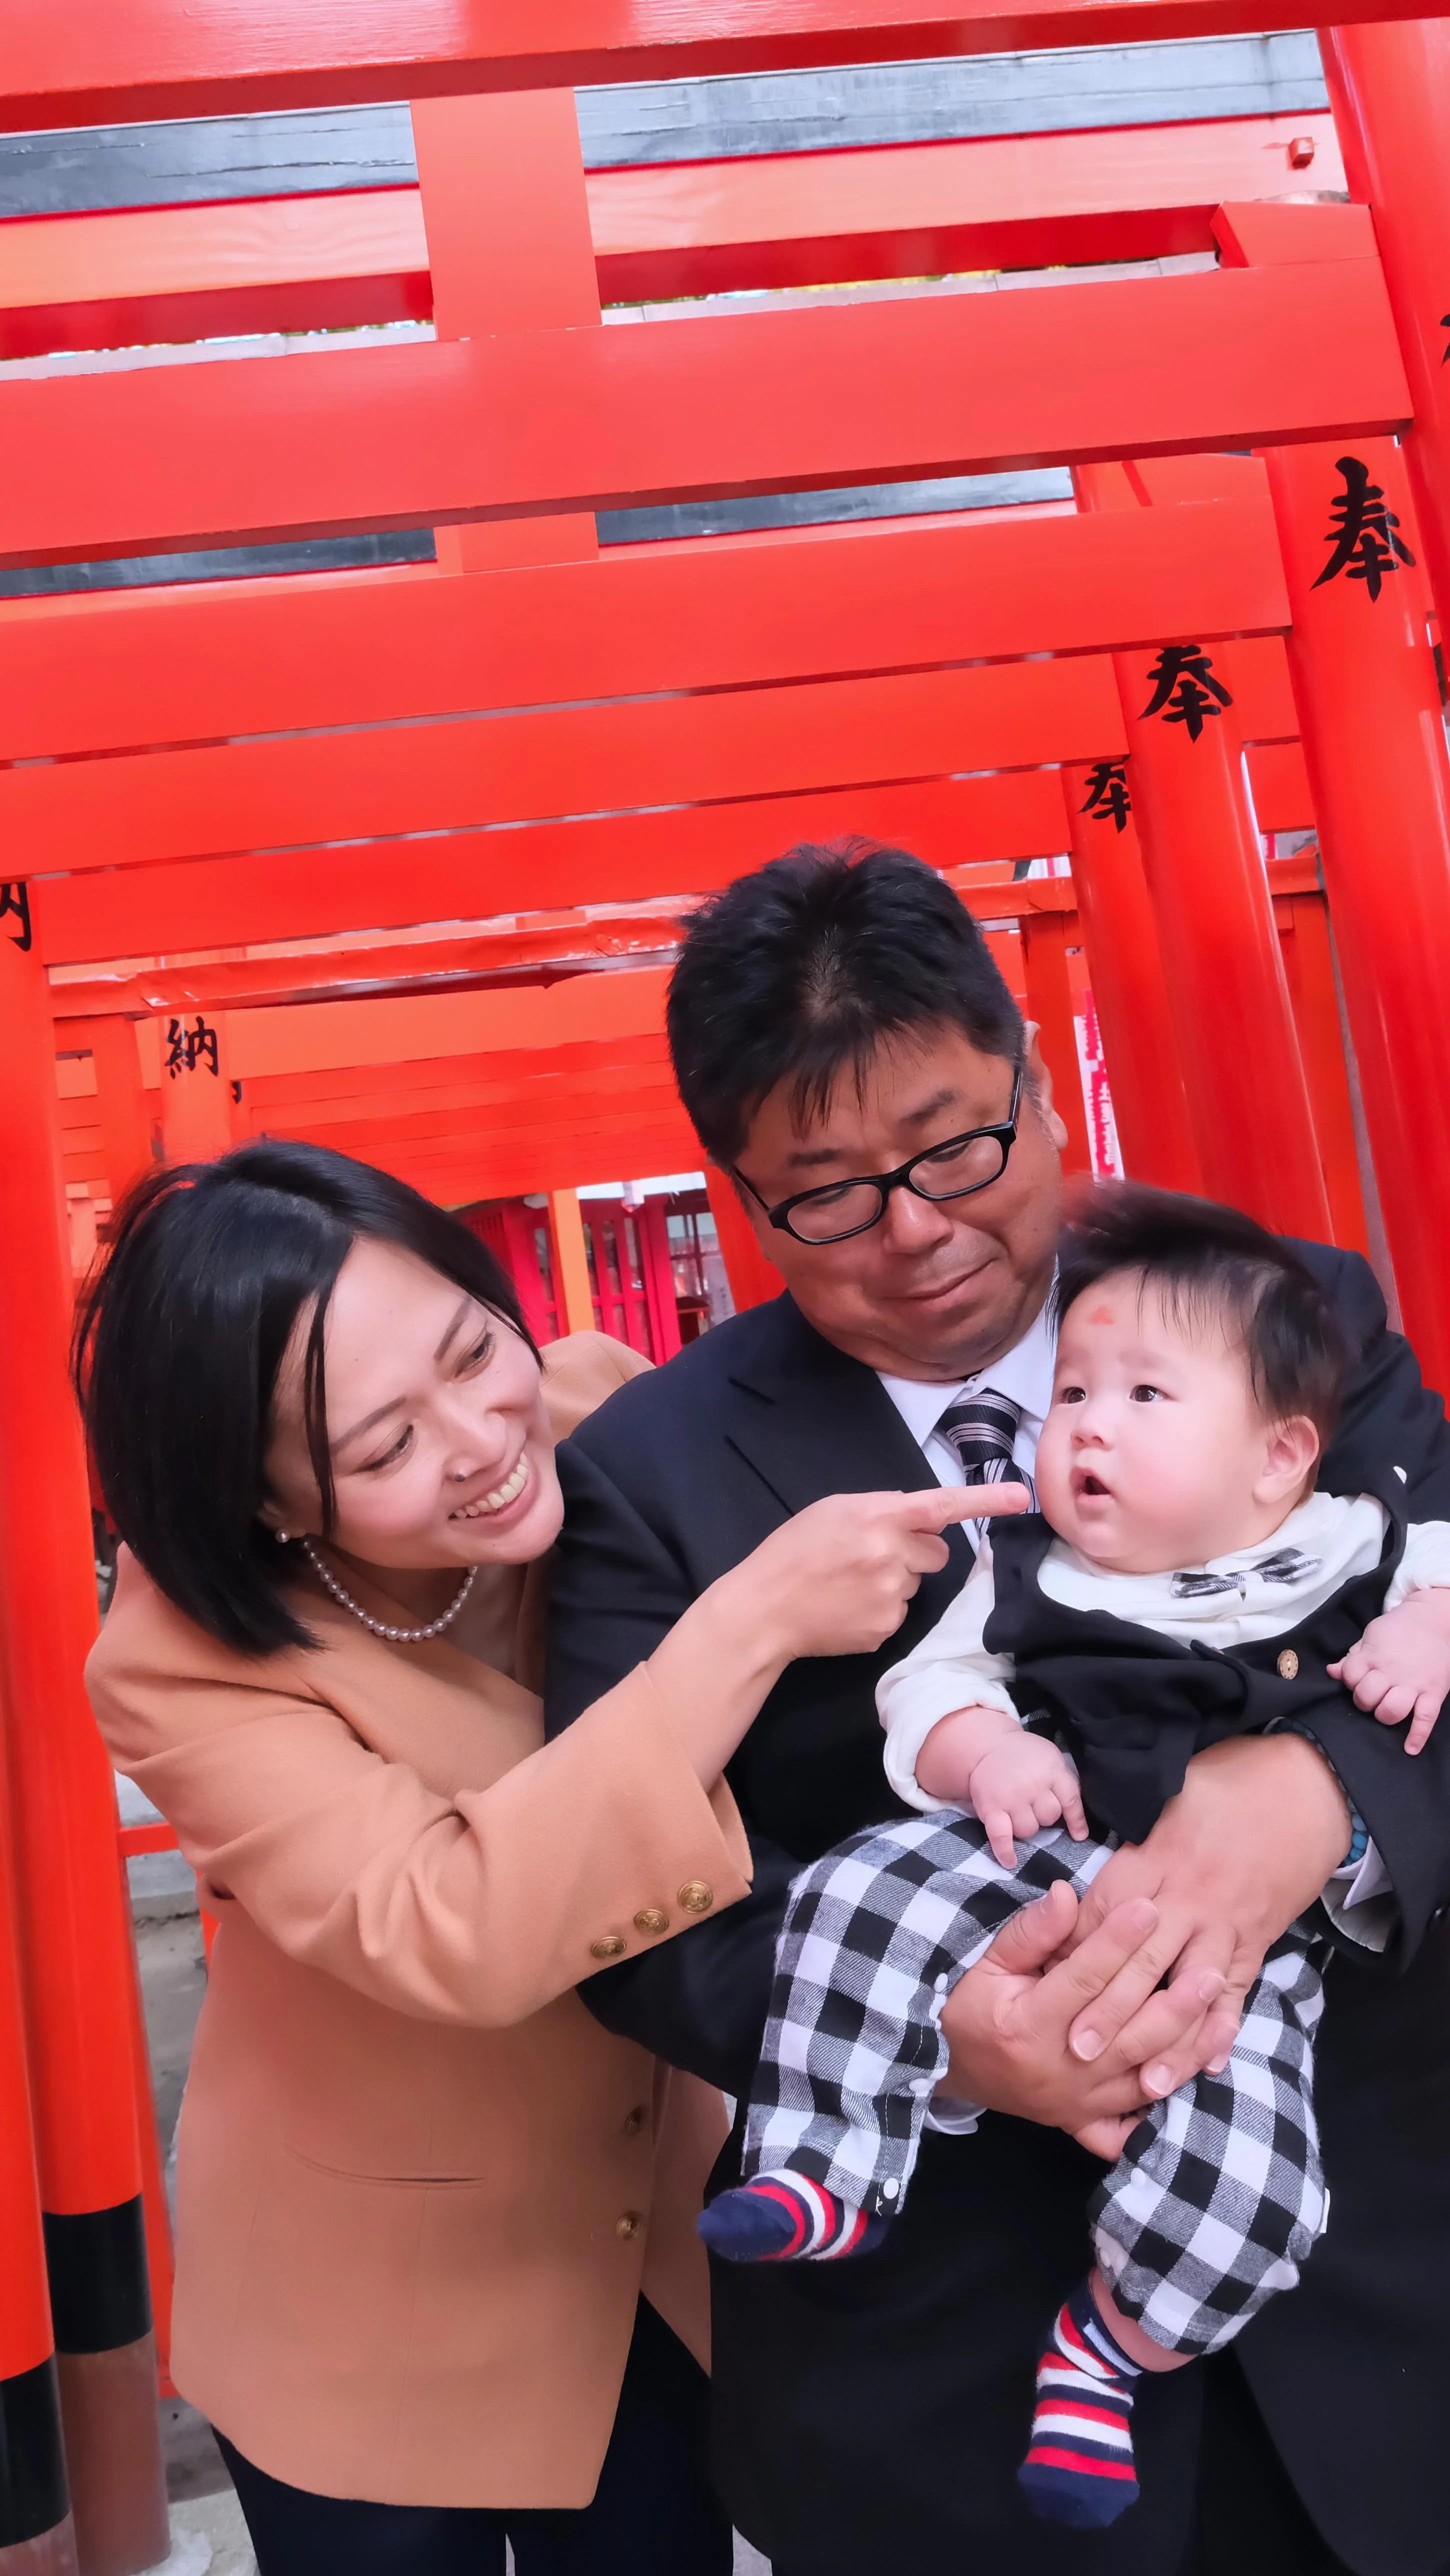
(1214,1262)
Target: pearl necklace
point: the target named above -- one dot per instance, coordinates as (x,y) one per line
(398,1636)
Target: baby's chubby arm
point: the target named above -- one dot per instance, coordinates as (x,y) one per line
(1014,1783)
(953,1735)
(1401,1666)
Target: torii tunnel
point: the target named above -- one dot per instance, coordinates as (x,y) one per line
(394,856)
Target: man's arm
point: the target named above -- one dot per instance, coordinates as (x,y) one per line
(1391,1438)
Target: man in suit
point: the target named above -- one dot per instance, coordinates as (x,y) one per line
(837,1016)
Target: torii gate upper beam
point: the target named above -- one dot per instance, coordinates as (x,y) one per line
(93,63)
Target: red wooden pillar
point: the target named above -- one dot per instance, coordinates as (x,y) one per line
(1247,1097)
(125,1124)
(1309,971)
(75,1941)
(1368,697)
(1135,1015)
(36,2534)
(1049,1006)
(1389,87)
(510,248)
(197,1122)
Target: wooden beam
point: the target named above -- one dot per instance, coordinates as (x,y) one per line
(116,280)
(924,209)
(200,272)
(164,458)
(94,64)
(310,788)
(224,903)
(194,664)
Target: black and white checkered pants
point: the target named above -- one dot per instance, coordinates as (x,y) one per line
(1219,2194)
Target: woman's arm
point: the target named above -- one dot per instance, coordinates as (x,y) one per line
(479,1908)
(487,1905)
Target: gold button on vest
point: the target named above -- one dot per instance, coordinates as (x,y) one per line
(651,1918)
(611,1948)
(1288,1665)
(635,2121)
(696,1897)
(629,2223)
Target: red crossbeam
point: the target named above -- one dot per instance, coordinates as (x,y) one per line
(216,903)
(308,788)
(182,273)
(200,455)
(925,209)
(96,63)
(201,272)
(192,664)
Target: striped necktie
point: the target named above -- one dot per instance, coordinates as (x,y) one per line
(981,1429)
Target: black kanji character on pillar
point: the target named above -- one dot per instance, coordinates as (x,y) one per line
(187,1048)
(1363,533)
(1184,688)
(15,898)
(1445,326)
(1107,793)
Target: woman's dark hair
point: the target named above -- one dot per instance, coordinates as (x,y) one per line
(180,1337)
(1215,1264)
(802,969)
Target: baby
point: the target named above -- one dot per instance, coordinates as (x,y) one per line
(1184,1583)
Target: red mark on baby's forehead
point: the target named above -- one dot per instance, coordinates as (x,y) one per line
(1102,1315)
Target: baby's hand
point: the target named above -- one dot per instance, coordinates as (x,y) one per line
(1020,1784)
(1401,1666)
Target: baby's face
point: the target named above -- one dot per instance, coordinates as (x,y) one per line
(1154,1454)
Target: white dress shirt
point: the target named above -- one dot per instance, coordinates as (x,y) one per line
(1023,1375)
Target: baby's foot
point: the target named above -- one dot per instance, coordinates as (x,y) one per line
(1079,2469)
(782,2218)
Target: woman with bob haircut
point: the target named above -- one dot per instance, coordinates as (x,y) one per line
(437,2279)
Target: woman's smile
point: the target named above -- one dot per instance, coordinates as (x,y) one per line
(488,1506)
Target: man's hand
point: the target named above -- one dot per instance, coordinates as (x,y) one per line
(1258,1827)
(1401,1665)
(1007,2020)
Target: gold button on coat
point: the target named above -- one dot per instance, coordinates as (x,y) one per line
(1288,1665)
(696,1897)
(651,1918)
(629,2223)
(612,1947)
(635,2121)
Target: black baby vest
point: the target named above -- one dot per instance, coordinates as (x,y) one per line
(1133,1707)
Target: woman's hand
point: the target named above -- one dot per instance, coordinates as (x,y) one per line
(836,1580)
(1258,1827)
(1007,2020)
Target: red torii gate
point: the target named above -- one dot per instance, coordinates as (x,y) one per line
(1238,389)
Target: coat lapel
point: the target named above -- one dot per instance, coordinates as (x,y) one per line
(812,1422)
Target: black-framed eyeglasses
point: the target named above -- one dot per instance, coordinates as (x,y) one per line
(951,1170)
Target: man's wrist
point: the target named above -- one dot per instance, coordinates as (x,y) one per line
(1356,1832)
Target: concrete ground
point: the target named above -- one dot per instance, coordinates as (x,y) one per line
(207,2532)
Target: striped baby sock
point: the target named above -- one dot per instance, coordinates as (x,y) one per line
(783,2218)
(1079,2468)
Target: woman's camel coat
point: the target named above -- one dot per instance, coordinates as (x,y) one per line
(419,2187)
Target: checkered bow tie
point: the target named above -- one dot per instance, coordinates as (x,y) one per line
(982,1429)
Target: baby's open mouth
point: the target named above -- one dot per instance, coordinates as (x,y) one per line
(1087,1484)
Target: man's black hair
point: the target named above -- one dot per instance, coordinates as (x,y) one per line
(1214,1264)
(800,971)
(179,1340)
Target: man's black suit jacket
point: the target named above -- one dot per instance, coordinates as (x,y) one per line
(881,2405)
